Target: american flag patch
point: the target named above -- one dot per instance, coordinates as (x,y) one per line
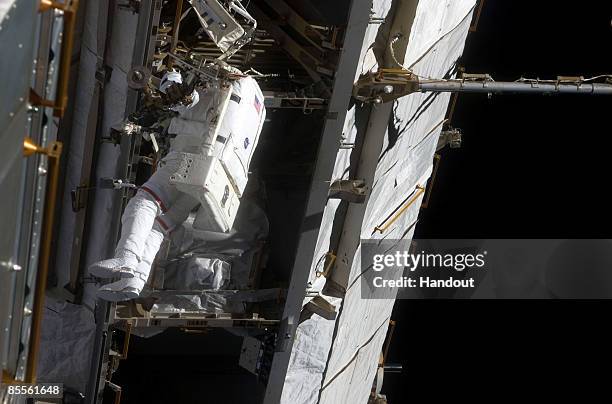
(257,105)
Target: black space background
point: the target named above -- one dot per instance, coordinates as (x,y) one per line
(530,167)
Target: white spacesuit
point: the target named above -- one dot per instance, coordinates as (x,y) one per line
(207,166)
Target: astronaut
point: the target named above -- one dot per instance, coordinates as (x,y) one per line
(206,166)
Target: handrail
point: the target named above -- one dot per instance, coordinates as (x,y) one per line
(381,229)
(61,97)
(53,152)
(328,267)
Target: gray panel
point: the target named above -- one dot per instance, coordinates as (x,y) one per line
(43,132)
(12,166)
(17,32)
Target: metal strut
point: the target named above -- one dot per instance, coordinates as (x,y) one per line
(390,84)
(497,87)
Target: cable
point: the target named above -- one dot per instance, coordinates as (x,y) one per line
(607,76)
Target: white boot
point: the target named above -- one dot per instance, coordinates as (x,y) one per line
(121,266)
(124,289)
(130,288)
(136,223)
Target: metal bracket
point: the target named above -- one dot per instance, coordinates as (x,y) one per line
(114,137)
(290,100)
(285,333)
(130,5)
(54,150)
(484,77)
(322,307)
(451,137)
(353,191)
(385,85)
(10,266)
(79,194)
(78,197)
(577,80)
(103,74)
(113,183)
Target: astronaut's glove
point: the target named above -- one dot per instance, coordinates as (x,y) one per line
(171,85)
(170,78)
(188,102)
(124,128)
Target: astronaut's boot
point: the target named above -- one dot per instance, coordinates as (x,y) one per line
(126,288)
(121,266)
(130,288)
(136,224)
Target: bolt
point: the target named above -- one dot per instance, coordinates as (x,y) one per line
(138,75)
(42,171)
(10,266)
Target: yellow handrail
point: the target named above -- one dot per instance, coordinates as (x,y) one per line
(328,267)
(53,152)
(61,97)
(412,200)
